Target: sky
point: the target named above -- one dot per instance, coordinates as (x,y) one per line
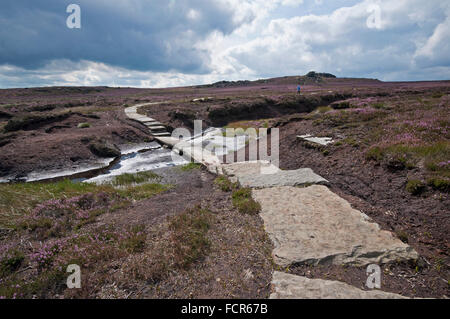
(165,43)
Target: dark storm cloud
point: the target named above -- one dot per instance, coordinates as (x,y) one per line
(146,35)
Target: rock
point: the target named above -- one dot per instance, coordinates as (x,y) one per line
(263,174)
(315,226)
(299,177)
(287,286)
(105,150)
(324,141)
(249,168)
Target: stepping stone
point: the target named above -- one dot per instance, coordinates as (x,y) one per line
(156,128)
(313,225)
(318,140)
(249,168)
(151,124)
(287,286)
(299,177)
(140,118)
(161,134)
(169,141)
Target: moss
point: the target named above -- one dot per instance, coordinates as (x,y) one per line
(415,187)
(84,125)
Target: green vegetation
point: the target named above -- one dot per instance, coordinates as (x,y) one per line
(136,178)
(135,243)
(403,236)
(84,125)
(190,166)
(324,109)
(17,199)
(34,120)
(11,262)
(415,187)
(189,235)
(243,201)
(143,191)
(225,184)
(409,155)
(439,184)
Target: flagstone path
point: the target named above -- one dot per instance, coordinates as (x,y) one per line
(308,223)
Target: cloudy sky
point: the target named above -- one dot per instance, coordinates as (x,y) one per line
(160,43)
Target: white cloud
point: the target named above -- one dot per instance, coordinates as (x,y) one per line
(409,42)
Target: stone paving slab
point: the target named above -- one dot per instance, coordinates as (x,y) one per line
(236,170)
(287,286)
(313,225)
(299,177)
(263,174)
(318,140)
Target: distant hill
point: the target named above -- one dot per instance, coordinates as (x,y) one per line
(309,78)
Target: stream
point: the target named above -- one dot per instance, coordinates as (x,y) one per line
(137,158)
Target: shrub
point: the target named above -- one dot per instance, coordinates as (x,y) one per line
(189,235)
(10,262)
(135,239)
(439,184)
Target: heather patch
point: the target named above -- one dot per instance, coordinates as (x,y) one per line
(48,261)
(54,218)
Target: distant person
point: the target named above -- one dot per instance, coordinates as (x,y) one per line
(298,89)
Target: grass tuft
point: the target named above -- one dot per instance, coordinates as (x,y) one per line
(190,166)
(225,184)
(243,201)
(136,178)
(415,187)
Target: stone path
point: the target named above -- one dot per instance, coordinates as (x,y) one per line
(156,128)
(307,223)
(287,286)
